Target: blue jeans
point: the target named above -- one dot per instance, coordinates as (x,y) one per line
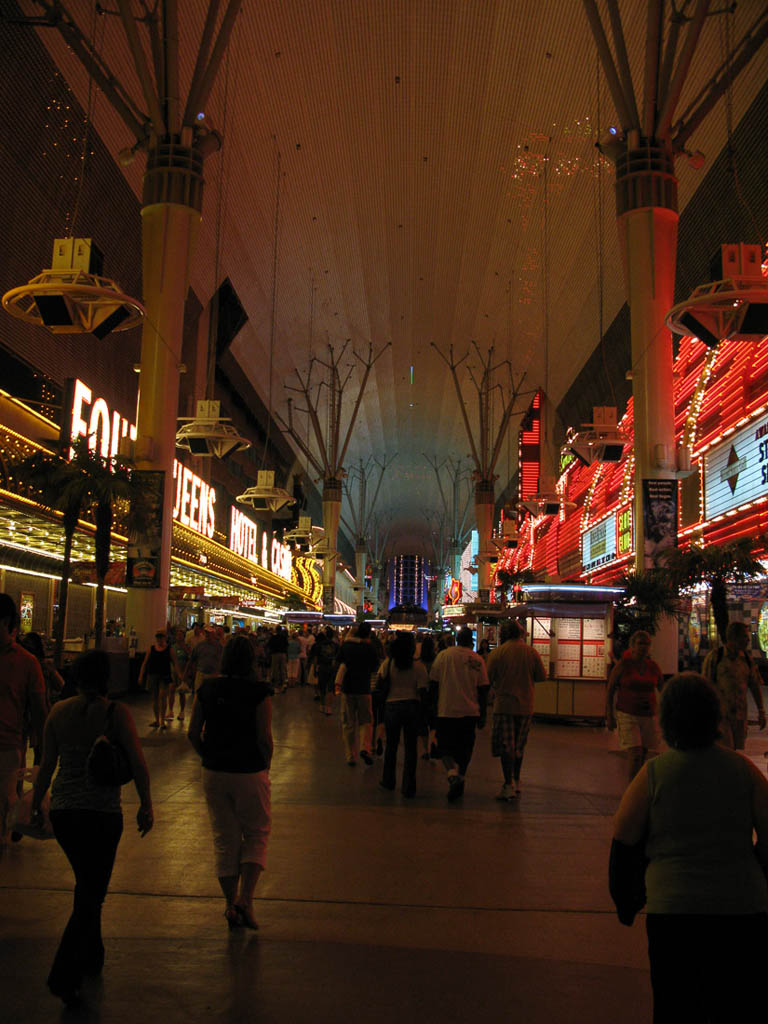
(90,840)
(405,716)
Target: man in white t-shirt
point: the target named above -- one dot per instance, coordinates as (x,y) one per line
(305,643)
(460,678)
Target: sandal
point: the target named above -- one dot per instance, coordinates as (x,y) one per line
(247,920)
(232,914)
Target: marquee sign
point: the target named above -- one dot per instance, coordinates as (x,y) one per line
(251,541)
(608,540)
(598,544)
(92,418)
(195,502)
(736,470)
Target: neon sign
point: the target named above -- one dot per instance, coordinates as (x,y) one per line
(624,530)
(195,501)
(244,541)
(102,427)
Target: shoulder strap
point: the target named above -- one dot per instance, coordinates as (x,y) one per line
(109,722)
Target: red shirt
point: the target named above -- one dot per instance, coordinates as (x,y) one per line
(637,686)
(21,687)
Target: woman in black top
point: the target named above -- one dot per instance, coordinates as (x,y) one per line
(159,666)
(231,730)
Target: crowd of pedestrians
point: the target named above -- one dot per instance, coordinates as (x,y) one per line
(389,689)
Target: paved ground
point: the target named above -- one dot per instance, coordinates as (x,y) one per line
(373,908)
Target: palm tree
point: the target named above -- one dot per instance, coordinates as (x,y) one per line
(84,482)
(110,481)
(648,597)
(508,580)
(717,565)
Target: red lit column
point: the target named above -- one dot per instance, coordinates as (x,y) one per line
(646,207)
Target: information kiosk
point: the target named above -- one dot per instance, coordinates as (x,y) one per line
(569,625)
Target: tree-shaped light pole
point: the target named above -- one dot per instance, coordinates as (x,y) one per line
(455,506)
(326,396)
(377,544)
(172,130)
(441,544)
(361,508)
(486,448)
(645,150)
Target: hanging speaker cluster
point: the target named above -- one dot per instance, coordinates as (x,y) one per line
(72,296)
(264,496)
(208,434)
(599,441)
(733,308)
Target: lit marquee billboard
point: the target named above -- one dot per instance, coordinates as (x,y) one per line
(736,470)
(598,544)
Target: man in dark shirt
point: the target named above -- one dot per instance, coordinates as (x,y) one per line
(22,691)
(278,650)
(359,661)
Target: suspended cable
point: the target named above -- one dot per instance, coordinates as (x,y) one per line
(213,327)
(70,231)
(726,44)
(273,314)
(599,217)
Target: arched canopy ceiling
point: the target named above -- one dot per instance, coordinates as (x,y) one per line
(419,142)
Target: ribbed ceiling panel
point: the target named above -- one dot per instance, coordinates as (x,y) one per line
(413,139)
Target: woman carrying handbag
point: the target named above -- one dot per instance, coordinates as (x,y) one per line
(86,816)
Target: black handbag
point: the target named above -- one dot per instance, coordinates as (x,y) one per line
(108,764)
(626,879)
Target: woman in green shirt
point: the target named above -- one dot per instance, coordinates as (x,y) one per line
(696,807)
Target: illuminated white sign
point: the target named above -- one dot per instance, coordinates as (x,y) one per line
(736,470)
(243,536)
(195,501)
(244,541)
(598,544)
(92,418)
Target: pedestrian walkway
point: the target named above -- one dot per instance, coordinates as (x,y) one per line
(373,908)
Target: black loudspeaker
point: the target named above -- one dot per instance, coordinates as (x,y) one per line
(698,330)
(197,445)
(108,324)
(54,310)
(612,453)
(755,319)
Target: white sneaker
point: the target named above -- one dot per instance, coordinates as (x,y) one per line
(508,792)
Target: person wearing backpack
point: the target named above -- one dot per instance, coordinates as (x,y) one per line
(732,671)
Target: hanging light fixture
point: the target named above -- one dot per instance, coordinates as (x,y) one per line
(733,308)
(209,434)
(599,441)
(264,496)
(72,296)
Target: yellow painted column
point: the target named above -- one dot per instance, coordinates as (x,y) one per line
(361,556)
(331,514)
(172,203)
(484,505)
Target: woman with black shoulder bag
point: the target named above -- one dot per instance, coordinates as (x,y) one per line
(86,816)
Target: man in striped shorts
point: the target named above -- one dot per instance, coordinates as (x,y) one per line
(513,668)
